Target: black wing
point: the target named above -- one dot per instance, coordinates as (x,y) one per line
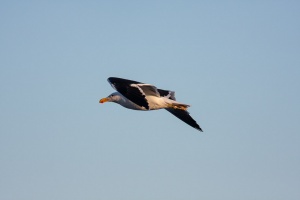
(165,93)
(184,116)
(132,93)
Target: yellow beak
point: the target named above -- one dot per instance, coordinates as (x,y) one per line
(103,100)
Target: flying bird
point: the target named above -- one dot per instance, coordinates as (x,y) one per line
(142,96)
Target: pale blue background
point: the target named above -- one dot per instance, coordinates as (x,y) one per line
(236,62)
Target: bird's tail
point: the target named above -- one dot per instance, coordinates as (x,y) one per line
(176,105)
(180,106)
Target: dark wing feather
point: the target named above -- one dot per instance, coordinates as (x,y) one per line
(113,80)
(164,93)
(184,116)
(131,93)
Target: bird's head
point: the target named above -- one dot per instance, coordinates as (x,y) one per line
(114,97)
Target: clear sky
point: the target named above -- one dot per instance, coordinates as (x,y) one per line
(236,62)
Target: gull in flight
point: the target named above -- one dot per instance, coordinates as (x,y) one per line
(141,96)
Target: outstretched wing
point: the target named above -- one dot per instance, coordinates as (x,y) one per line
(133,90)
(184,116)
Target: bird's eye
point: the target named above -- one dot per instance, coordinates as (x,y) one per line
(111,95)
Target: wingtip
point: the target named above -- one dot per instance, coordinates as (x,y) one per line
(112,79)
(109,79)
(199,128)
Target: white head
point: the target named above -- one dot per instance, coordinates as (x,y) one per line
(114,97)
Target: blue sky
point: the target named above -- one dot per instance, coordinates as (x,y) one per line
(237,63)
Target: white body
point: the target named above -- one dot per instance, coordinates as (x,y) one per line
(155,103)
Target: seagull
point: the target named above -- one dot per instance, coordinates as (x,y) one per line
(142,96)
